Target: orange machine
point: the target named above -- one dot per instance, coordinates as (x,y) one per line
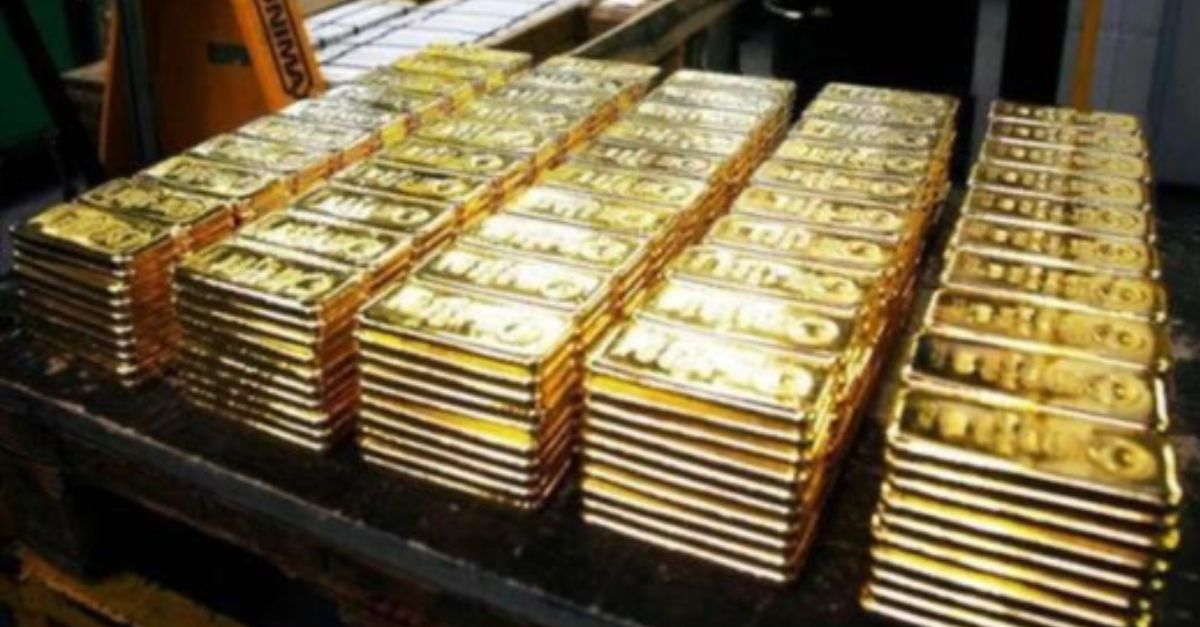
(209,66)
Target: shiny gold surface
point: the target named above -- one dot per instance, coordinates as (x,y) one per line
(95,234)
(982,273)
(1066,159)
(1071,216)
(582,209)
(1084,138)
(1089,334)
(608,152)
(425,221)
(890,97)
(875,136)
(1062,187)
(667,190)
(1068,250)
(797,241)
(1121,395)
(146,199)
(1065,116)
(874,114)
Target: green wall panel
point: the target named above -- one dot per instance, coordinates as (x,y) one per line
(22,116)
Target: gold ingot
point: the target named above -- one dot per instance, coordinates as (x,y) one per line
(534,398)
(596,212)
(610,451)
(829,288)
(746,316)
(868,218)
(426,222)
(732,378)
(254,192)
(507,62)
(528,140)
(458,91)
(142,198)
(1065,116)
(1011,321)
(983,273)
(863,159)
(587,103)
(795,241)
(756,103)
(1062,187)
(304,285)
(653,188)
(1135,467)
(390,97)
(505,113)
(1072,588)
(679,139)
(704,452)
(785,90)
(923,101)
(510,339)
(510,168)
(484,77)
(303,165)
(389,125)
(1113,560)
(954,487)
(1126,397)
(555,79)
(906,191)
(607,152)
(351,143)
(912,598)
(543,283)
(759,535)
(376,174)
(1074,217)
(1083,252)
(108,240)
(1065,159)
(866,114)
(601,250)
(683,115)
(380,253)
(1076,137)
(886,137)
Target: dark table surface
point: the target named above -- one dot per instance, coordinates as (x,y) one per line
(546,567)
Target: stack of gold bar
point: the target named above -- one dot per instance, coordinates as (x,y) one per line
(95,278)
(110,254)
(1029,480)
(268,333)
(289,365)
(472,367)
(392,101)
(716,417)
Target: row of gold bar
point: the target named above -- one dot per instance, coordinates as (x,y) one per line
(472,366)
(1029,480)
(95,274)
(715,417)
(285,359)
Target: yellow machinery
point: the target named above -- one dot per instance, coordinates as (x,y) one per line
(181,71)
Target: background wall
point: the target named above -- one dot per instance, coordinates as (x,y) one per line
(22,118)
(1148,63)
